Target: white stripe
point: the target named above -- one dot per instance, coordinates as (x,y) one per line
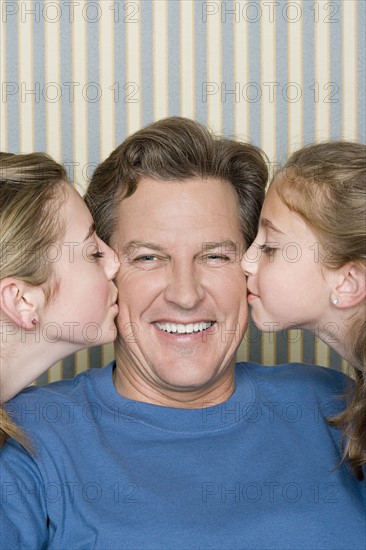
(349,54)
(80,105)
(322,72)
(212,89)
(241,74)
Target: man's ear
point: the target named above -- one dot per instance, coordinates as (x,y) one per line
(21,302)
(351,285)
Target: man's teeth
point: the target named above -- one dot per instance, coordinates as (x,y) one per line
(184,329)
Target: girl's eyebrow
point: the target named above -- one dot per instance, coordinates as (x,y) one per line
(90,232)
(267,223)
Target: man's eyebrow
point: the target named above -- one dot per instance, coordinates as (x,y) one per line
(143,244)
(267,223)
(227,245)
(90,232)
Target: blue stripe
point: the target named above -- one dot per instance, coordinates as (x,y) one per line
(174,57)
(67,124)
(334,93)
(281,347)
(147,77)
(254,340)
(120,76)
(308,347)
(200,62)
(92,90)
(309,74)
(39,80)
(69,367)
(253,91)
(13,86)
(361,70)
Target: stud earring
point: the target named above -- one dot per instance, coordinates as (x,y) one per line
(34,321)
(335,300)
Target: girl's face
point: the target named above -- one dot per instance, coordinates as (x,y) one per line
(83,306)
(287,285)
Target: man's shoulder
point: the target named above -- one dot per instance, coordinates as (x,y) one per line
(60,391)
(297,379)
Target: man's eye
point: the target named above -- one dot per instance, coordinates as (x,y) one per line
(217,258)
(146,258)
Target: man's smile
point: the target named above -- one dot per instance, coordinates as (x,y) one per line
(184,328)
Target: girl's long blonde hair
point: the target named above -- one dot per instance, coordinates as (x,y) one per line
(31,190)
(326,185)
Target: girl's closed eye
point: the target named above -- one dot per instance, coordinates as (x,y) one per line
(267,249)
(98,254)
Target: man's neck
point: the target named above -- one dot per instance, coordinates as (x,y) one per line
(132,386)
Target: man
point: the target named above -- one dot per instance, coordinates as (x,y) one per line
(173,447)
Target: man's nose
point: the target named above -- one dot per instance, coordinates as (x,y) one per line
(184,288)
(249,263)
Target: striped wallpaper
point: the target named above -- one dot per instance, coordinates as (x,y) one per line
(78,76)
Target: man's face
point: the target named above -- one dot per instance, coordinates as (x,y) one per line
(183,308)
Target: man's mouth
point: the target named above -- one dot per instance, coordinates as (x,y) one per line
(187,328)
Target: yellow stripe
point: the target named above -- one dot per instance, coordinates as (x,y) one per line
(133,73)
(81,361)
(3,105)
(349,76)
(241,75)
(322,72)
(160,58)
(53,89)
(268,348)
(295,346)
(321,353)
(106,79)
(187,67)
(80,105)
(107,353)
(55,372)
(214,71)
(26,78)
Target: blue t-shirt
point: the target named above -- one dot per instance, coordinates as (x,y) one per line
(258,471)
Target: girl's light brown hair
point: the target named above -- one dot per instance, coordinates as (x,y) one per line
(326,185)
(31,190)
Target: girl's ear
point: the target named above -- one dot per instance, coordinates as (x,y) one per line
(350,289)
(21,302)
